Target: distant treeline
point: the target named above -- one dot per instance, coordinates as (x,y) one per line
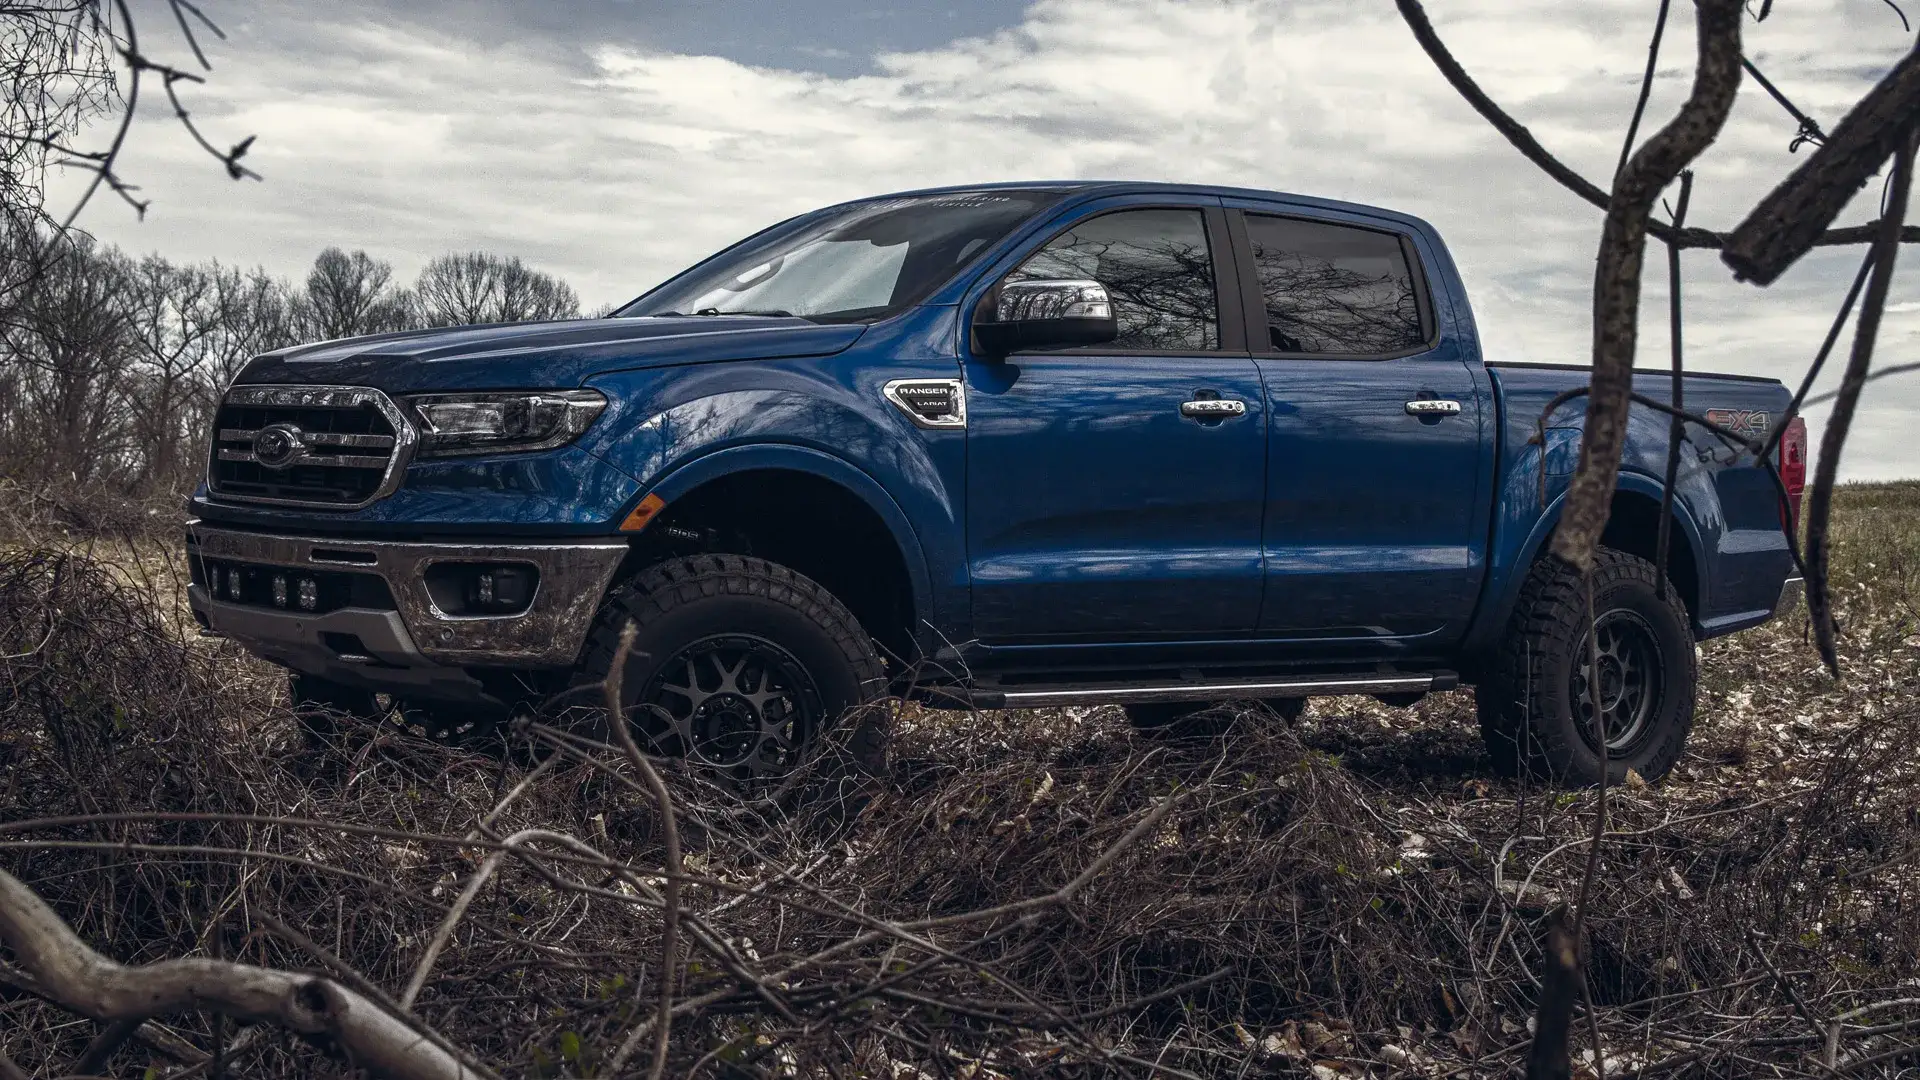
(112,366)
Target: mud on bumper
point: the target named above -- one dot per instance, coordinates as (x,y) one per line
(372,616)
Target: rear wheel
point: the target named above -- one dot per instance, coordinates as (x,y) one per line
(738,664)
(1545,710)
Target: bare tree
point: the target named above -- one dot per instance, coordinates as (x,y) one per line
(71,350)
(173,317)
(476,287)
(352,294)
(257,314)
(65,63)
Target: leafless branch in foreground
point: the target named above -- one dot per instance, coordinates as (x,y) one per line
(1516,133)
(90,984)
(65,63)
(670,842)
(1792,218)
(1833,440)
(1547,1057)
(1616,288)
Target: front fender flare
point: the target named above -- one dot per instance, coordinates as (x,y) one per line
(689,474)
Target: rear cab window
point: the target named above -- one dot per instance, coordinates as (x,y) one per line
(1331,289)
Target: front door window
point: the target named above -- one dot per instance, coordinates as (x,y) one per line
(1156,266)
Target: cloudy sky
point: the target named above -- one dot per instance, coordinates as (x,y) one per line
(613,141)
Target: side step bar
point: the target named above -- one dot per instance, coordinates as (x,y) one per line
(1037,697)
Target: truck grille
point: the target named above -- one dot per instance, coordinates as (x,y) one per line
(340,447)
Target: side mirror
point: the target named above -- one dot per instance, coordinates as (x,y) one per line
(1042,314)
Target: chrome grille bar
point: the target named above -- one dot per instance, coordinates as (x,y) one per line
(345,461)
(317,438)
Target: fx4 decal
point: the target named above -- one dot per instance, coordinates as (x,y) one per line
(1754,424)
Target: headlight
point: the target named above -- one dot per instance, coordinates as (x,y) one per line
(453,424)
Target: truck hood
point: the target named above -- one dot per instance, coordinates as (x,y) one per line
(549,355)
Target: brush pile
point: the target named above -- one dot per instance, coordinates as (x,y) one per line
(1021,893)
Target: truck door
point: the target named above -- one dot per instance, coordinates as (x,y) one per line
(1375,519)
(1098,509)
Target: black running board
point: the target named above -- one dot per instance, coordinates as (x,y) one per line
(1040,696)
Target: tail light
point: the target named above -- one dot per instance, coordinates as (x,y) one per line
(1793,470)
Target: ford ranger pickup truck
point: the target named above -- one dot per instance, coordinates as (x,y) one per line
(1002,446)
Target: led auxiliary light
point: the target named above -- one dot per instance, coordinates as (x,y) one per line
(309,594)
(279,590)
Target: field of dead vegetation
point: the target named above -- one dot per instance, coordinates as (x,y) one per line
(1045,893)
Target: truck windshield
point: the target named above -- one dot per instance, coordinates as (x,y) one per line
(856,263)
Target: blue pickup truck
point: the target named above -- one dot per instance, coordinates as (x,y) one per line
(1002,446)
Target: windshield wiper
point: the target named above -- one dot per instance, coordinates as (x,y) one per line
(709,313)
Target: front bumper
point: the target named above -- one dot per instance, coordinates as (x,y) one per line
(414,645)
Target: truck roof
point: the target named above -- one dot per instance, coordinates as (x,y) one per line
(1094,188)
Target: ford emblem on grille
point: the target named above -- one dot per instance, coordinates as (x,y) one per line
(278,446)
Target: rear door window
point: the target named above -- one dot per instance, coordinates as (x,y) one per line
(1333,289)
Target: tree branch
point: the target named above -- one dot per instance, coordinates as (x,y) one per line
(1834,438)
(1691,238)
(88,983)
(1794,215)
(1616,287)
(670,836)
(1547,1058)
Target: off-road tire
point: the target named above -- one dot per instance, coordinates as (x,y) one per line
(322,705)
(674,604)
(1526,696)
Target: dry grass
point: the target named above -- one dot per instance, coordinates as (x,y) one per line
(1357,895)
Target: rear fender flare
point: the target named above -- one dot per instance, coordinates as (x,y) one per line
(1493,622)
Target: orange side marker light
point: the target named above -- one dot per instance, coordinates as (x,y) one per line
(643,513)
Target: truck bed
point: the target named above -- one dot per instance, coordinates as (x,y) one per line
(1738,557)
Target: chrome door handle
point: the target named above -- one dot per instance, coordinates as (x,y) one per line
(1433,407)
(1213,408)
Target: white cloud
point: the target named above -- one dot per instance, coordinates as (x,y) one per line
(616,168)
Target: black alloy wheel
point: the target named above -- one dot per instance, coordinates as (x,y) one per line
(1629,683)
(1548,710)
(737,703)
(738,665)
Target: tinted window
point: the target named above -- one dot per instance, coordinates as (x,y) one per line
(853,263)
(1155,265)
(1334,289)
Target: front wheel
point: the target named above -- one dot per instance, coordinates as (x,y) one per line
(1543,707)
(738,664)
